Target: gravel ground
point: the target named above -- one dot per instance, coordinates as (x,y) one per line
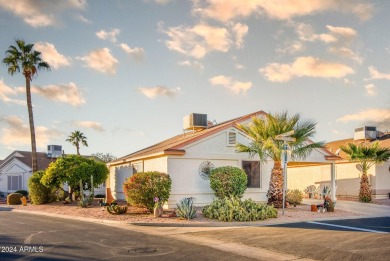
(138,215)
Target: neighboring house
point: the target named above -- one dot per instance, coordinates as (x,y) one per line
(187,157)
(347,174)
(15,170)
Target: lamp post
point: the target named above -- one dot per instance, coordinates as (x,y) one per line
(285,137)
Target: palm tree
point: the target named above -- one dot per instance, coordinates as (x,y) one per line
(23,58)
(75,138)
(263,132)
(367,155)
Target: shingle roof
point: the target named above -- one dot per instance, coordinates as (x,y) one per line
(175,144)
(25,157)
(384,141)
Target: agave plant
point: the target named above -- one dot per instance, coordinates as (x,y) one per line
(186,209)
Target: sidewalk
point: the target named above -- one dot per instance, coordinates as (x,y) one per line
(366,209)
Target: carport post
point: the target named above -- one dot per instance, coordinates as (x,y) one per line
(333,180)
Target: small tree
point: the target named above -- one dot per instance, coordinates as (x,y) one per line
(228,181)
(73,168)
(105,157)
(142,188)
(367,155)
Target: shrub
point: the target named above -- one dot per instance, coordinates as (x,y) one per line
(39,193)
(233,209)
(23,192)
(141,188)
(114,209)
(186,209)
(14,199)
(294,197)
(228,181)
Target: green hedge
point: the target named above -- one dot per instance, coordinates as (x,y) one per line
(39,193)
(228,182)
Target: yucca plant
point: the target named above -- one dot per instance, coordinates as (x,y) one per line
(114,209)
(186,208)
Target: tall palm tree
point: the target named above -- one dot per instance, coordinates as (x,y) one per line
(263,132)
(367,155)
(23,57)
(75,138)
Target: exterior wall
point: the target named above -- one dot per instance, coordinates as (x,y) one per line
(184,170)
(347,179)
(381,187)
(14,168)
(156,164)
(118,174)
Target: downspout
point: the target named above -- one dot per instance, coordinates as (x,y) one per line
(333,180)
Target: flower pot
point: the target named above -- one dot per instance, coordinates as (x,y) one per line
(314,208)
(158,211)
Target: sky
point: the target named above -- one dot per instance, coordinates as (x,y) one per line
(125,73)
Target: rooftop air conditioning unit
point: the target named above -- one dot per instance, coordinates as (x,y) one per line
(54,151)
(365,133)
(195,121)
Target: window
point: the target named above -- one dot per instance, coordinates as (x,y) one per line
(252,170)
(231,138)
(137,167)
(15,182)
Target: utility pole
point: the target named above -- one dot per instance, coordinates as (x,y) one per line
(285,137)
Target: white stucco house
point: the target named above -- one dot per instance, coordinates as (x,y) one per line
(15,169)
(184,157)
(346,174)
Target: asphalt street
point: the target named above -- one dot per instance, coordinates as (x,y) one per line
(33,237)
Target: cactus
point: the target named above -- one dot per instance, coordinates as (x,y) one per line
(14,199)
(114,209)
(186,208)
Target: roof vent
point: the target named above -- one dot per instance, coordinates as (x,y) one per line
(365,133)
(195,121)
(54,151)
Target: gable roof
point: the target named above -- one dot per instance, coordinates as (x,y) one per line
(384,141)
(174,145)
(25,157)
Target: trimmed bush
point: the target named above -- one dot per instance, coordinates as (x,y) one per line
(39,193)
(14,199)
(23,192)
(142,188)
(233,209)
(228,182)
(294,197)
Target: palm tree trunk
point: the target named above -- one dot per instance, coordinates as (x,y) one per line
(365,190)
(32,128)
(275,191)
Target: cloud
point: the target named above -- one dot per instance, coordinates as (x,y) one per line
(227,10)
(198,40)
(231,84)
(290,48)
(371,115)
(97,126)
(66,93)
(348,53)
(101,60)
(51,55)
(240,31)
(195,64)
(239,66)
(83,19)
(6,91)
(376,75)
(370,89)
(162,2)
(111,36)
(153,92)
(304,67)
(41,13)
(18,133)
(136,52)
